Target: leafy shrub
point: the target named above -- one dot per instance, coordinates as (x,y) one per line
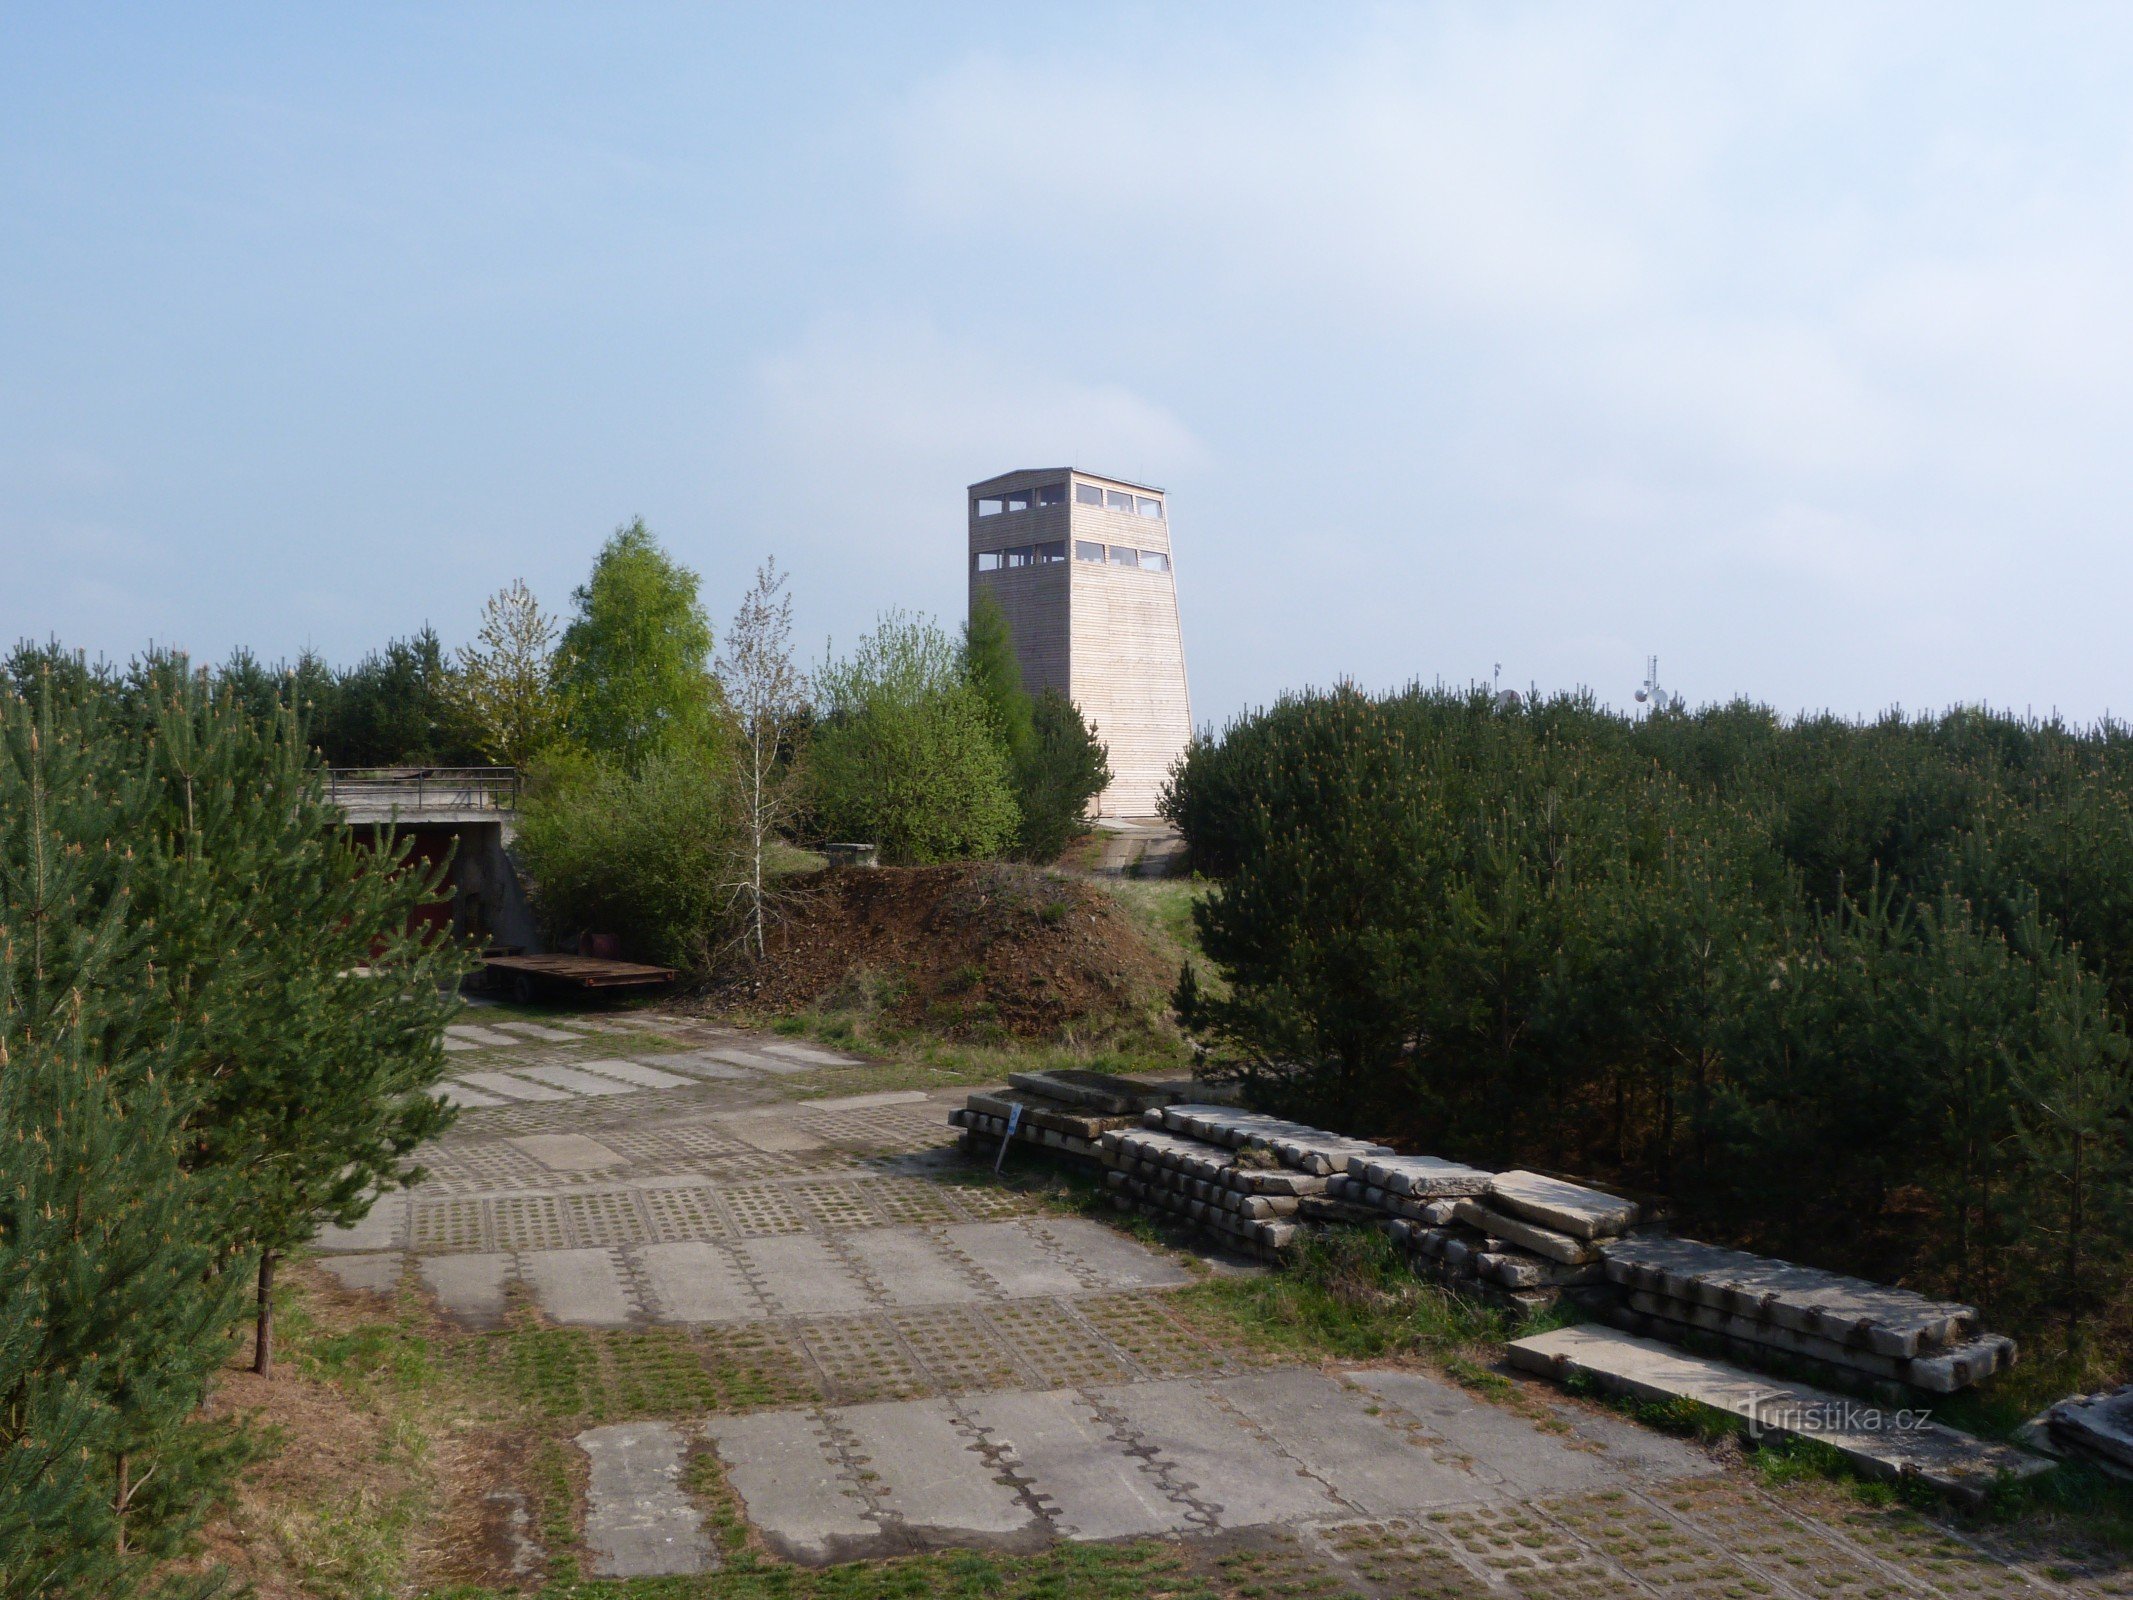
(648,856)
(906,755)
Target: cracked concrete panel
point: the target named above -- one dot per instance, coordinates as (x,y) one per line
(1014,1258)
(381,1228)
(638,1522)
(568,1152)
(480,1038)
(801,1276)
(1115,1261)
(580,1287)
(792,1485)
(1366,1461)
(458,1094)
(1497,1441)
(577,1082)
(772,1133)
(512,1088)
(1091,1486)
(469,1287)
(810,1055)
(632,1072)
(913,1269)
(695,1281)
(1227,1468)
(929,1475)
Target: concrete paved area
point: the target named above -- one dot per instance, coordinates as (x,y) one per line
(931,1360)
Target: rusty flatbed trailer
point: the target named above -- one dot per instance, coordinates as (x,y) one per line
(529,975)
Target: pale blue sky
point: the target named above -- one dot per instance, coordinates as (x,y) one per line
(1791,343)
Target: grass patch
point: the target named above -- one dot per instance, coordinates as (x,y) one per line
(587,1376)
(1142,1571)
(1351,1295)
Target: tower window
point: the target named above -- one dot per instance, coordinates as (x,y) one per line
(1147,507)
(1117,500)
(1088,550)
(991,506)
(1087,494)
(1018,501)
(1124,556)
(1051,494)
(1046,554)
(989,560)
(1019,557)
(1154,561)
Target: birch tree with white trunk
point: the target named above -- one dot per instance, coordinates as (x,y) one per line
(766,701)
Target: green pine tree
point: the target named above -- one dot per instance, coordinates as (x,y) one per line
(118,1290)
(306,1019)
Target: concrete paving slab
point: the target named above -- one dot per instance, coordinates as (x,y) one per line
(481,1038)
(1117,1261)
(575,1081)
(1367,1461)
(1091,1486)
(379,1274)
(754,1060)
(542,1032)
(792,1485)
(696,1281)
(638,1522)
(568,1152)
(469,1287)
(912,1267)
(512,1088)
(1645,1452)
(928,1475)
(1014,1258)
(1225,1467)
(801,1276)
(1957,1464)
(466,1099)
(772,1132)
(633,1073)
(382,1228)
(811,1055)
(452,1045)
(703,1066)
(580,1287)
(1496,1443)
(861,1102)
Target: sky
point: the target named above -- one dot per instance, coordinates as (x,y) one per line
(1792,344)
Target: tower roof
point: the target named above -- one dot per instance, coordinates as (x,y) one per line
(1004,479)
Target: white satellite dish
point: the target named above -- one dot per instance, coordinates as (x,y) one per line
(1651,694)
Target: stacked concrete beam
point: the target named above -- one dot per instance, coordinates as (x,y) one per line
(1521,1236)
(2096,1426)
(1064,1111)
(1293,1144)
(1759,1307)
(1210,1184)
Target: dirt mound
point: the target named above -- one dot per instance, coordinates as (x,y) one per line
(971,949)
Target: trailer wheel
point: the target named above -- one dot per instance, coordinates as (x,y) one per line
(523,988)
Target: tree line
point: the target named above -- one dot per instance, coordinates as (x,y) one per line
(1852,993)
(669,772)
(216,1034)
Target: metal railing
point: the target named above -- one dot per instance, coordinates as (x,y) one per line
(410,791)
